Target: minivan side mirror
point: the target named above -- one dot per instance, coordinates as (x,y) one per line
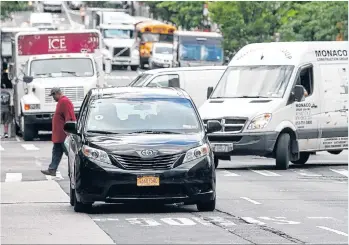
(209,92)
(213,126)
(70,127)
(298,93)
(27,79)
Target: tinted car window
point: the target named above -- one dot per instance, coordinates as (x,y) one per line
(129,115)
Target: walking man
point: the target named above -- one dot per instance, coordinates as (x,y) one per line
(6,99)
(64,112)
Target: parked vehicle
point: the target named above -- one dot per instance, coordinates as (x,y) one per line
(283,100)
(161,56)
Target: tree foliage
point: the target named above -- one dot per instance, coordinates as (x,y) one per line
(186,14)
(9,7)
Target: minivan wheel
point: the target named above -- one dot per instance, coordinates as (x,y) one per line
(80,207)
(216,162)
(335,152)
(282,153)
(303,158)
(208,206)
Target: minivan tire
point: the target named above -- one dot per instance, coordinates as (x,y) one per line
(80,207)
(335,152)
(71,195)
(303,158)
(282,152)
(208,206)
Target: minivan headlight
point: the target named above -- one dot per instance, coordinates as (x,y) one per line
(196,153)
(260,121)
(95,154)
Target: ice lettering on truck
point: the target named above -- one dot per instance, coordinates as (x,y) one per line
(29,44)
(331,55)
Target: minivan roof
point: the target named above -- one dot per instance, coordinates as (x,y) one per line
(290,53)
(143,92)
(194,68)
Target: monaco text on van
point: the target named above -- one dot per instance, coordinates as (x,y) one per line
(281,100)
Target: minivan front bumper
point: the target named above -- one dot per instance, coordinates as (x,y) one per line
(188,183)
(259,144)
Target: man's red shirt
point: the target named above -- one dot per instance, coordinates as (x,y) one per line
(64,112)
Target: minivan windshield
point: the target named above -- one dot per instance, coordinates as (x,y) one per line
(268,81)
(131,115)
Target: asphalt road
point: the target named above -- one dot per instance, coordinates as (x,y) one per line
(256,204)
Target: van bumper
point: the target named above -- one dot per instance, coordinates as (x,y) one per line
(258,144)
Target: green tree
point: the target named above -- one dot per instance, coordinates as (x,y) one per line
(188,14)
(315,21)
(9,7)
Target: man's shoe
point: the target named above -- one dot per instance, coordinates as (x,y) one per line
(6,136)
(49,172)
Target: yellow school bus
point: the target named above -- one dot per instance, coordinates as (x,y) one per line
(150,31)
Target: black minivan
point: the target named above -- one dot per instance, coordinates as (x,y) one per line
(140,144)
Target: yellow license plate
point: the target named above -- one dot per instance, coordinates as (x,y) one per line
(148,181)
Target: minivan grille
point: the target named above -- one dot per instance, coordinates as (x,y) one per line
(75,94)
(137,163)
(230,125)
(125,53)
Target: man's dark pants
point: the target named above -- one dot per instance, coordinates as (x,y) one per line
(57,153)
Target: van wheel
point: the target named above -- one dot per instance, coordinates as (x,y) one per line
(28,131)
(303,158)
(207,206)
(335,152)
(216,162)
(282,153)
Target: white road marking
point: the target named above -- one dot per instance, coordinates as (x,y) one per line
(18,139)
(105,219)
(265,172)
(13,177)
(143,221)
(221,221)
(280,220)
(229,174)
(178,221)
(306,173)
(49,177)
(250,200)
(332,230)
(340,171)
(319,217)
(202,221)
(1,148)
(252,221)
(59,175)
(30,147)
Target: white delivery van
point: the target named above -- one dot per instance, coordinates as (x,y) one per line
(281,100)
(161,55)
(194,80)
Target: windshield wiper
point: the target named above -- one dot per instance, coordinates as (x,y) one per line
(100,132)
(256,96)
(154,132)
(70,72)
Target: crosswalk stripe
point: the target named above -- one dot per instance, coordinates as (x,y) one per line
(229,174)
(340,171)
(265,172)
(30,147)
(306,173)
(13,177)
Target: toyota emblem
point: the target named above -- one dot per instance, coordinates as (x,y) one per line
(148,153)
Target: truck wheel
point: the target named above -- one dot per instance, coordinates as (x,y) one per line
(282,153)
(335,152)
(134,68)
(216,162)
(303,158)
(28,131)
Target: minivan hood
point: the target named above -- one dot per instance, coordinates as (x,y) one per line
(129,144)
(237,107)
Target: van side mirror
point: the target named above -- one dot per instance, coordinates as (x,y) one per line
(107,66)
(209,92)
(27,79)
(213,126)
(298,93)
(173,83)
(70,127)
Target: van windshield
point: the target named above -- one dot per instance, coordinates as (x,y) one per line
(253,81)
